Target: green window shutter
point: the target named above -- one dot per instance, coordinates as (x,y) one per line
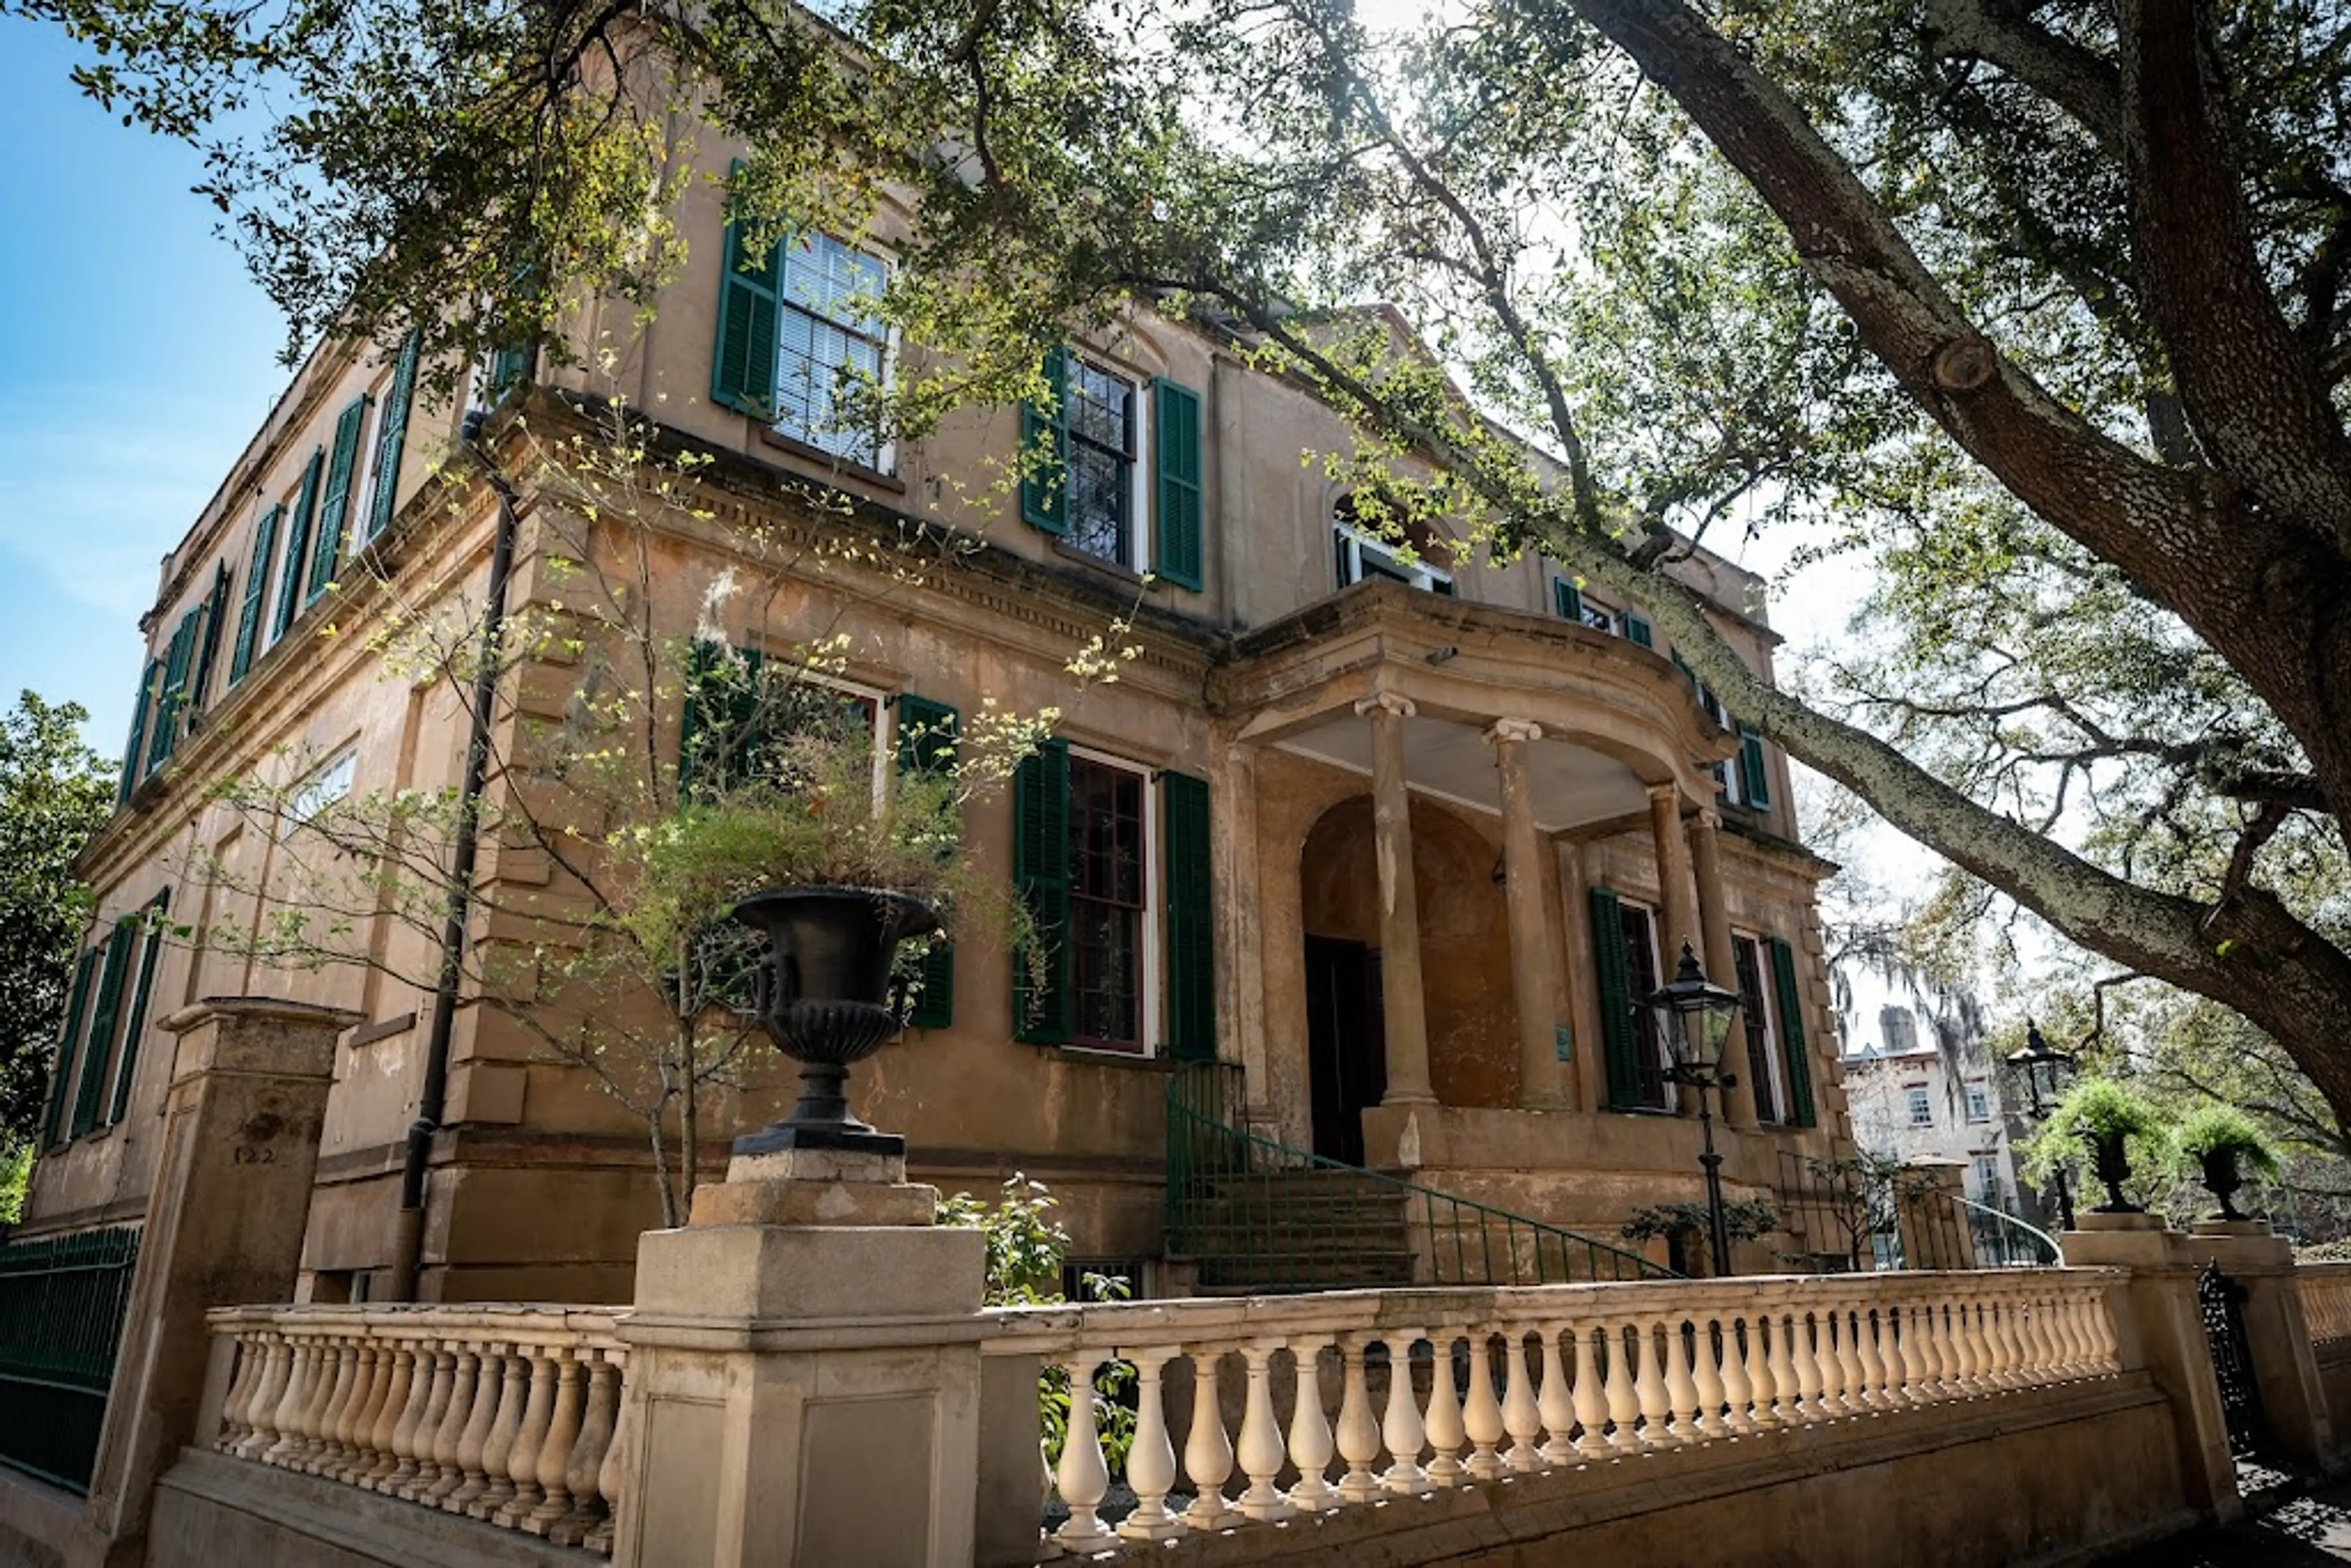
(1176,416)
(743,361)
(151,952)
(1045,452)
(1752,774)
(67,1043)
(335,508)
(171,696)
(102,1020)
(1040,874)
(1791,1034)
(215,610)
(149,684)
(926,741)
(1620,1038)
(1567,600)
(1191,919)
(391,436)
(1636,627)
(298,539)
(509,369)
(256,595)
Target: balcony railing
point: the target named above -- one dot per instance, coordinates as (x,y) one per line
(1523,1379)
(504,1414)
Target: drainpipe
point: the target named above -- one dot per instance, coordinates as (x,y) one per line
(408,1239)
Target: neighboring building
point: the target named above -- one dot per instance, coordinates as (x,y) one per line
(1480,1038)
(1939,1102)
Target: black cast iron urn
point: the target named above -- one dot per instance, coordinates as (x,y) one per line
(825,1001)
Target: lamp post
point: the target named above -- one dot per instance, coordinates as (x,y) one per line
(1693,1016)
(2046,1070)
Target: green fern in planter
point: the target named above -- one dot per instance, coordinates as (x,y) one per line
(2219,1146)
(2098,1112)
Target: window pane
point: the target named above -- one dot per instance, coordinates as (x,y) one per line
(1760,1069)
(1106,889)
(827,339)
(1640,971)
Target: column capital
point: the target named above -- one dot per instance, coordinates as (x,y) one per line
(1504,729)
(1666,794)
(1387,702)
(1708,817)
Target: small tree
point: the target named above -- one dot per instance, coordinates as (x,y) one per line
(55,793)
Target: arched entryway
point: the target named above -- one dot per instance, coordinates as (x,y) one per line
(1465,967)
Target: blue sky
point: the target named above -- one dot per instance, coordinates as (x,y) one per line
(135,358)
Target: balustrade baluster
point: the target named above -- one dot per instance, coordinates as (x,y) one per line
(1851,1394)
(383,1458)
(343,1441)
(555,1452)
(610,1476)
(447,1475)
(1810,1385)
(1446,1430)
(1787,1388)
(522,1460)
(2068,1323)
(1738,1357)
(2008,1349)
(287,1421)
(1311,1446)
(1081,1477)
(1623,1388)
(1481,1413)
(1681,1388)
(1400,1429)
(1705,1375)
(1650,1385)
(417,1469)
(1934,1350)
(1358,1436)
(240,1392)
(1208,1451)
(1591,1395)
(341,1360)
(1261,1451)
(317,1382)
(1967,1338)
(513,1396)
(2032,1358)
(421,1378)
(1906,1354)
(1875,1392)
(473,1441)
(1151,1458)
(596,1423)
(1556,1403)
(1521,1415)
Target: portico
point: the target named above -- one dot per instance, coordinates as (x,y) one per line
(1508,762)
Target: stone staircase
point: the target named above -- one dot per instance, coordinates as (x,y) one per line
(1300,1230)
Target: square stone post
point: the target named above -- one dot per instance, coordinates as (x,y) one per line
(2164,1331)
(250,1077)
(2285,1363)
(804,1374)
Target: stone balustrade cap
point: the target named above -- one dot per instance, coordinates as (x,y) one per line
(267,1009)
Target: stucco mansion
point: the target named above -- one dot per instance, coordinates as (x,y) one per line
(1401,835)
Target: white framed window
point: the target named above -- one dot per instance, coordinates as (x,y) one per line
(1114,906)
(1600,618)
(1988,1179)
(1766,1068)
(327,784)
(1106,478)
(1922,1108)
(828,339)
(1979,1103)
(1363,555)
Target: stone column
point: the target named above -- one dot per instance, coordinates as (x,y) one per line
(1722,963)
(1400,988)
(1587,1084)
(250,1077)
(804,1375)
(1527,864)
(1676,894)
(1241,933)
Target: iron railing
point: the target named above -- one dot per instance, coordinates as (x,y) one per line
(62,1301)
(1253,1213)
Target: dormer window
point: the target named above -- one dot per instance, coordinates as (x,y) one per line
(1361,553)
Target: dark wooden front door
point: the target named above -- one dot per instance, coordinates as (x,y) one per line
(1346,1045)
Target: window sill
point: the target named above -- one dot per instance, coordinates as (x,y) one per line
(1110,568)
(836,466)
(1093,1056)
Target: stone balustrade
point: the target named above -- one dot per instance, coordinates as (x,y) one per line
(505,1414)
(2325,1301)
(1526,1379)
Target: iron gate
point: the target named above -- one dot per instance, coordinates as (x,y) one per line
(2222,1300)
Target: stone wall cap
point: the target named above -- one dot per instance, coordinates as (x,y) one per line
(278,1009)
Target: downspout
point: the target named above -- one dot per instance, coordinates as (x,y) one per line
(407,1241)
